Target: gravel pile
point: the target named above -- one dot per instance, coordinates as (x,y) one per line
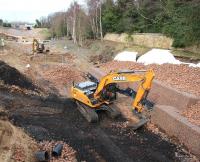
(68,153)
(70,56)
(181,77)
(193,114)
(19,154)
(97,59)
(62,75)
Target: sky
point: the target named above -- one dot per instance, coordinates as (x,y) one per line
(29,10)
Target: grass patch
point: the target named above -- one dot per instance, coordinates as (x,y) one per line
(140,49)
(117,47)
(186,54)
(46,33)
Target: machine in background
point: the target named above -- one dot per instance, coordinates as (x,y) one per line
(39,47)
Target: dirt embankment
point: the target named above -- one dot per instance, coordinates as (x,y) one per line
(40,33)
(104,53)
(181,77)
(14,81)
(58,119)
(15,145)
(62,77)
(12,76)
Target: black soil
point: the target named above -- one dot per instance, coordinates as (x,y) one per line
(11,76)
(58,119)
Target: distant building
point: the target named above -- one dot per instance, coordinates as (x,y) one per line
(23,26)
(29,26)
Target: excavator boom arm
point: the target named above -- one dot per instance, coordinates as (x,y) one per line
(145,80)
(143,90)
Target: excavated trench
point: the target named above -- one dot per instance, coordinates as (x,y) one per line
(57,118)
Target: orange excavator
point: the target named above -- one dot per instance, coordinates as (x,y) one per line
(93,95)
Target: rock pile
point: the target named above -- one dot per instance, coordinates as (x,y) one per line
(193,114)
(181,77)
(62,75)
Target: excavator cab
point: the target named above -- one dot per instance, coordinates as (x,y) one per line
(87,87)
(109,93)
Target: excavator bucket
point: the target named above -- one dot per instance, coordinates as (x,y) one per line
(141,119)
(138,124)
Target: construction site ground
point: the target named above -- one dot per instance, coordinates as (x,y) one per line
(36,98)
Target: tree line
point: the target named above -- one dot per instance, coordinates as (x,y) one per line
(78,22)
(178,19)
(5,24)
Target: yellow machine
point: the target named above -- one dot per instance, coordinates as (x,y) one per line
(38,47)
(93,95)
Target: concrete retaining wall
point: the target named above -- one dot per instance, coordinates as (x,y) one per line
(175,125)
(151,40)
(165,95)
(167,113)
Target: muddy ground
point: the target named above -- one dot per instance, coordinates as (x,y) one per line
(58,119)
(55,117)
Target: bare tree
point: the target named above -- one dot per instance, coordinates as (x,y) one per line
(95,14)
(74,24)
(100,21)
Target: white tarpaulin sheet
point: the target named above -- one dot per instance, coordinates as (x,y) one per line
(158,56)
(126,56)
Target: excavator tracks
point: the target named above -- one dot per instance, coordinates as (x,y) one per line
(111,111)
(89,113)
